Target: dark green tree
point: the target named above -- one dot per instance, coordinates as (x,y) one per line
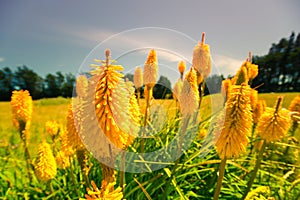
(279,69)
(67,87)
(162,89)
(213,84)
(51,89)
(6,84)
(129,76)
(27,79)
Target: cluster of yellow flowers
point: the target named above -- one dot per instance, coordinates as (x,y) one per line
(45,164)
(21,104)
(274,123)
(242,109)
(235,123)
(189,96)
(118,114)
(52,127)
(107,192)
(106,102)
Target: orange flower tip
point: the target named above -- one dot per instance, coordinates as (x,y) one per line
(181,66)
(250,57)
(152,58)
(203,38)
(107,53)
(278,103)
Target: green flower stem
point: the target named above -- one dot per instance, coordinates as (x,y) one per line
(292,131)
(146,116)
(73,177)
(181,139)
(122,173)
(255,170)
(220,178)
(26,150)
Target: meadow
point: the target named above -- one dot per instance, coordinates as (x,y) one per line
(193,178)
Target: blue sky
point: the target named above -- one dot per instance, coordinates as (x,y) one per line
(50,36)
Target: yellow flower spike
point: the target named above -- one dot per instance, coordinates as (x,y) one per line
(259,193)
(52,127)
(274,123)
(177,89)
(191,78)
(107,192)
(134,109)
(66,145)
(259,110)
(21,104)
(226,87)
(73,126)
(181,68)
(150,79)
(151,69)
(81,86)
(45,165)
(138,77)
(189,98)
(234,124)
(202,58)
(112,105)
(232,128)
(253,98)
(252,69)
(295,104)
(62,160)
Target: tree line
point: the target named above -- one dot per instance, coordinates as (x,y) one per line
(279,70)
(52,85)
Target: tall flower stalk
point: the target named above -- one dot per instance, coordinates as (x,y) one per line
(177,89)
(45,165)
(112,128)
(272,126)
(232,129)
(138,82)
(150,79)
(21,103)
(202,63)
(188,99)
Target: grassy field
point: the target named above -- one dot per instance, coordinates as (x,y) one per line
(196,180)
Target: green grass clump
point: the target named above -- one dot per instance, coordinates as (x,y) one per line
(194,177)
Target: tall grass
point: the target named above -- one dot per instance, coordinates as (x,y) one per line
(194,178)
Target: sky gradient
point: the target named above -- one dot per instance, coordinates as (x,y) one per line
(50,36)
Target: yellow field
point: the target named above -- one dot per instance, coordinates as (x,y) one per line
(56,109)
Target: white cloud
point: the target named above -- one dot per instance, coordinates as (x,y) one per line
(226,65)
(142,40)
(2,59)
(127,41)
